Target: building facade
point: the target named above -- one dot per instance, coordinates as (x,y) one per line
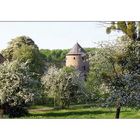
(78,58)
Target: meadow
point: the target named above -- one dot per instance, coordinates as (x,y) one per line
(80,112)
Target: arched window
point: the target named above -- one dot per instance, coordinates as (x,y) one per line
(74,58)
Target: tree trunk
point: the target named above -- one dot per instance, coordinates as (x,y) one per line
(1,112)
(118,110)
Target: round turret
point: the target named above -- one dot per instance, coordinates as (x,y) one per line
(78,58)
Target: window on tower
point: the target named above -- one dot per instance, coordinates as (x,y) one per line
(84,67)
(73,57)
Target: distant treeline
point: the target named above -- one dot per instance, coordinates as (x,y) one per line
(57,57)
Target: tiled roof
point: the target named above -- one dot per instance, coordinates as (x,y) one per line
(77,49)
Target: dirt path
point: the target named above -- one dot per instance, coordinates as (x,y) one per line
(44,109)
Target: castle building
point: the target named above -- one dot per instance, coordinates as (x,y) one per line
(78,58)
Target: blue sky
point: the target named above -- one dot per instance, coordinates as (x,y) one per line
(56,35)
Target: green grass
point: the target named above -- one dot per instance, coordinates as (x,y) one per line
(80,112)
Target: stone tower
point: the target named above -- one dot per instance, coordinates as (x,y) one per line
(78,58)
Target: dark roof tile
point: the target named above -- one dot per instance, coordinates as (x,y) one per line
(77,49)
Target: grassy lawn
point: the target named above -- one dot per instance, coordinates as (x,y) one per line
(80,112)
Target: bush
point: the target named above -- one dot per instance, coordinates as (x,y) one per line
(15,111)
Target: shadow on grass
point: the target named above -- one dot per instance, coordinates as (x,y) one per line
(70,113)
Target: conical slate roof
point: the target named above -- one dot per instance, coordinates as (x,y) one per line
(77,49)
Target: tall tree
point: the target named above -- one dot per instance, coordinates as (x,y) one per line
(64,85)
(18,88)
(117,68)
(23,48)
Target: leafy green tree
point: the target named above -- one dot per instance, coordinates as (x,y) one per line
(18,88)
(23,48)
(97,89)
(54,57)
(64,85)
(129,28)
(118,70)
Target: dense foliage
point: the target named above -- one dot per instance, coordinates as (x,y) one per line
(22,49)
(17,88)
(54,57)
(115,72)
(64,85)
